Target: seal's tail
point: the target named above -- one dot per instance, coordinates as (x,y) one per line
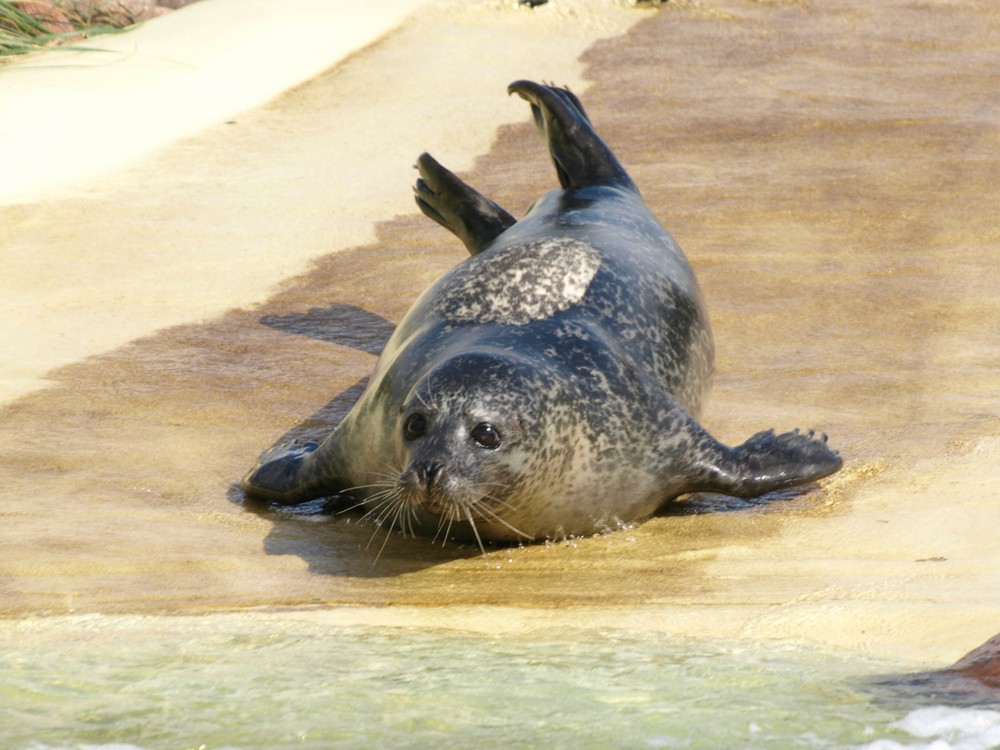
(582,159)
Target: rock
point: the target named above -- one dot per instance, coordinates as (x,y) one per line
(45,12)
(175,4)
(982,664)
(109,12)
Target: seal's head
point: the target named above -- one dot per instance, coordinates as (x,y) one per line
(464,439)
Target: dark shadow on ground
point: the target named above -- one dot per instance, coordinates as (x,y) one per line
(334,539)
(710,502)
(346,325)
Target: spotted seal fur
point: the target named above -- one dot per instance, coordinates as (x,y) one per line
(549,385)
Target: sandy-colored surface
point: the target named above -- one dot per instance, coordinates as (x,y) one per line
(68,115)
(830,169)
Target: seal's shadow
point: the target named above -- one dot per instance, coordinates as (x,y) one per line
(346,325)
(327,533)
(698,503)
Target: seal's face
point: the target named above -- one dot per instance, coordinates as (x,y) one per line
(461,440)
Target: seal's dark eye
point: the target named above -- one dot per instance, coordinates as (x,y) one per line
(415,426)
(486,435)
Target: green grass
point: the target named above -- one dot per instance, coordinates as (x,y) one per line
(21,33)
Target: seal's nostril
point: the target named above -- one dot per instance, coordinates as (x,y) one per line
(429,474)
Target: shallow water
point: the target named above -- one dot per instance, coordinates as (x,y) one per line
(256,681)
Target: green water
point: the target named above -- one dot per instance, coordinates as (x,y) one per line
(265,681)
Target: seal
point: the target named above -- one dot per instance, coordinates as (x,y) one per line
(549,385)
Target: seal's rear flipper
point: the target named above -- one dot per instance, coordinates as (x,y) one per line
(764,463)
(568,96)
(467,213)
(581,157)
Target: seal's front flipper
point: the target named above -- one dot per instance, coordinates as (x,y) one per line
(282,475)
(581,157)
(467,213)
(764,463)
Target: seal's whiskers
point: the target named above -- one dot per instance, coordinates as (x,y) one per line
(398,509)
(472,523)
(420,398)
(485,511)
(389,507)
(450,518)
(383,505)
(386,488)
(494,500)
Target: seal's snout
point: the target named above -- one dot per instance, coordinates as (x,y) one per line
(429,474)
(423,482)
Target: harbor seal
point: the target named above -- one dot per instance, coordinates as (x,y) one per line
(547,386)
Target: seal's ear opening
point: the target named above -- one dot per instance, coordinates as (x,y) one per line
(581,158)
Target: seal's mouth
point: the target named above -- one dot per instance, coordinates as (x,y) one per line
(415,498)
(436,490)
